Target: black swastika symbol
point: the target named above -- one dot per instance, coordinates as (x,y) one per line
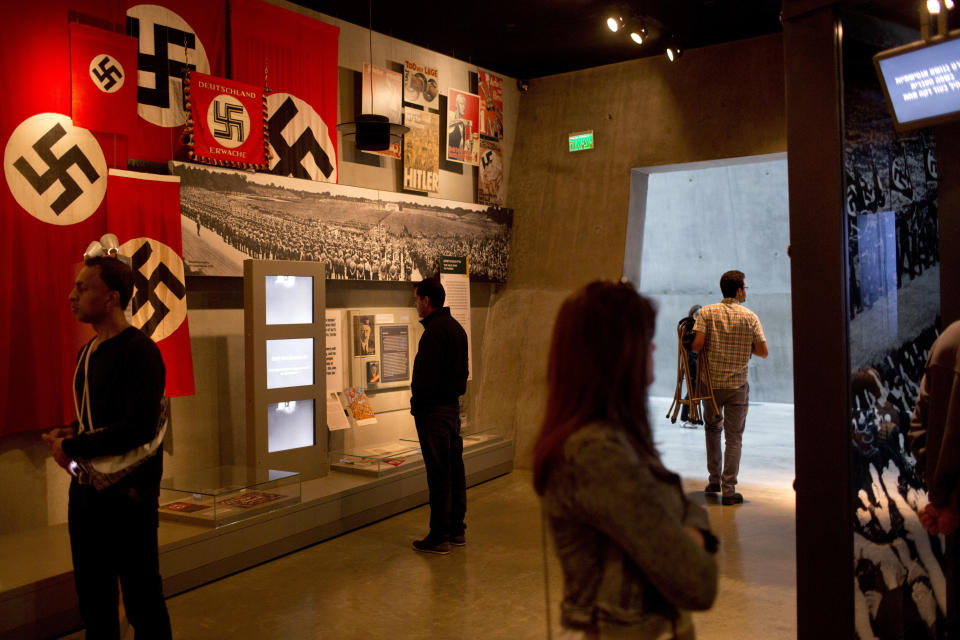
(57,169)
(145,290)
(159,63)
(108,74)
(290,156)
(226,119)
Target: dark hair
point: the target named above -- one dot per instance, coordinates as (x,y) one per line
(597,370)
(730,283)
(116,274)
(694,309)
(432,289)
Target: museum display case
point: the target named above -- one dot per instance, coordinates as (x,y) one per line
(378,459)
(389,457)
(222,495)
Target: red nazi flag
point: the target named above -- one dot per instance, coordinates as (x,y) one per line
(227,120)
(143,210)
(103,79)
(174,36)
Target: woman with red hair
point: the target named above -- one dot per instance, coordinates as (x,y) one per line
(637,555)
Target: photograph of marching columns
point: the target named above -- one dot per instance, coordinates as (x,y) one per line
(359,234)
(463,127)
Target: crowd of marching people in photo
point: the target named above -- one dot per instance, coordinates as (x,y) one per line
(350,251)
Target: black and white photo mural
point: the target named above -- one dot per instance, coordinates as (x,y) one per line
(359,234)
(893,299)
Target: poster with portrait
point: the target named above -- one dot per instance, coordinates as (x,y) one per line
(491,105)
(421,151)
(383,95)
(490,183)
(372,372)
(364,343)
(421,85)
(463,127)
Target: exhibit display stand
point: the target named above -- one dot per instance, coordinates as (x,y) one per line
(285,343)
(221,495)
(377,460)
(391,457)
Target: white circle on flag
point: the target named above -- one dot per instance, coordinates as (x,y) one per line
(54,170)
(165,268)
(169,110)
(107,73)
(305,119)
(228,121)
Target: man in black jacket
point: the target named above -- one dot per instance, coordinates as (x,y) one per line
(439,379)
(112,450)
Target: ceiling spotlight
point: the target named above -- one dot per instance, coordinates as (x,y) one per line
(673,50)
(636,36)
(615,23)
(933,7)
(948,4)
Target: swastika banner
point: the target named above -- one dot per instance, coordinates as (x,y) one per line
(143,210)
(174,36)
(301,55)
(103,79)
(52,204)
(226,124)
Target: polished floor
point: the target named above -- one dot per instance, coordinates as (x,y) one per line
(370,584)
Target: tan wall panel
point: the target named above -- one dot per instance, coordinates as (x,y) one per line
(571,208)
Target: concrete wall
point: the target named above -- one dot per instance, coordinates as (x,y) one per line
(570,224)
(699,221)
(207,429)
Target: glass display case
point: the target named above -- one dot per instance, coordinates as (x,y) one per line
(470,438)
(378,459)
(221,495)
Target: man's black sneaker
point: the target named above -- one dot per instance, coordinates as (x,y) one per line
(432,545)
(458,540)
(713,487)
(734,498)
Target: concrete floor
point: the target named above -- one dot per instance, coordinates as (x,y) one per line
(370,584)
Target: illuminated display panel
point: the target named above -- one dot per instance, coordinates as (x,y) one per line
(290,425)
(289,299)
(921,82)
(289,363)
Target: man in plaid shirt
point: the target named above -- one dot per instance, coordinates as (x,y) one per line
(728,333)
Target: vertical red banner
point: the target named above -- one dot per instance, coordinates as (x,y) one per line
(52,204)
(301,54)
(103,80)
(143,210)
(173,35)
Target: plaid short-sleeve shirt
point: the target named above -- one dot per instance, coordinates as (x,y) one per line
(731,330)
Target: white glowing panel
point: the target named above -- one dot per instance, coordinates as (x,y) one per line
(289,299)
(289,425)
(289,363)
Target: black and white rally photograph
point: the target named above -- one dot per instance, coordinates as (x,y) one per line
(360,234)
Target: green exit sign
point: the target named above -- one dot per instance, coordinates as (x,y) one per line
(581,141)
